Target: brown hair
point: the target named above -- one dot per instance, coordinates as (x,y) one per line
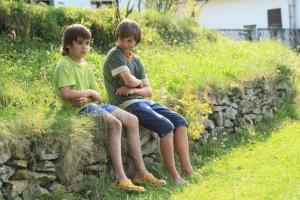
(72,33)
(129,28)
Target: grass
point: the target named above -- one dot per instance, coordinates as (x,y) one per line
(265,170)
(26,74)
(28,67)
(212,64)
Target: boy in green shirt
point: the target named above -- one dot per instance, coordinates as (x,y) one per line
(77,87)
(127,86)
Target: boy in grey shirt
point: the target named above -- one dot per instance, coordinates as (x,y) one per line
(127,86)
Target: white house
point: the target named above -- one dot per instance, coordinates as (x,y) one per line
(225,14)
(77,3)
(134,3)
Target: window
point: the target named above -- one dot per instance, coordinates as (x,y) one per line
(48,2)
(274,18)
(101,3)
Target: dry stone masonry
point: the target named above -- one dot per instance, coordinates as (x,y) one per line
(238,108)
(35,170)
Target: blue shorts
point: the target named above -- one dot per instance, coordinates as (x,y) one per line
(95,110)
(156,117)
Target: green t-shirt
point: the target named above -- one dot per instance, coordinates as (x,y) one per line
(115,63)
(78,76)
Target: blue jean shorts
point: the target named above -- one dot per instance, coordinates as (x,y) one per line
(156,117)
(95,110)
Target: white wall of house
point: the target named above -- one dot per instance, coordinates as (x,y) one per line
(123,4)
(239,13)
(77,3)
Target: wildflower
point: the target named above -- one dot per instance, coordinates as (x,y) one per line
(223,145)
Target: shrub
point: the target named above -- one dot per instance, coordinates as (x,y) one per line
(171,28)
(48,23)
(194,110)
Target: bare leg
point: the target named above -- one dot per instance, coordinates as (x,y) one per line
(182,148)
(131,123)
(167,151)
(114,146)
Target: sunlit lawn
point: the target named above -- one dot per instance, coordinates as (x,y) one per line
(265,170)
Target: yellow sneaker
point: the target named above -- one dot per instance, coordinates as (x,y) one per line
(127,185)
(149,179)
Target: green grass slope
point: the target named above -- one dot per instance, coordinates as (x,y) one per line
(26,73)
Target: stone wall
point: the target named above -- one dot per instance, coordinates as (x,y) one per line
(238,108)
(35,168)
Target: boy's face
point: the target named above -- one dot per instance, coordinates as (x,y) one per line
(79,48)
(127,44)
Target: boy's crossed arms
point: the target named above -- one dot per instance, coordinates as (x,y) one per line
(133,86)
(80,97)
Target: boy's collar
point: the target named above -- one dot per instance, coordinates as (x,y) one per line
(72,60)
(128,57)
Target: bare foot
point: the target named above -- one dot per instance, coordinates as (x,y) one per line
(189,173)
(180,181)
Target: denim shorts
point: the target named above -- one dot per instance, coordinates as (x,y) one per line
(95,110)
(156,117)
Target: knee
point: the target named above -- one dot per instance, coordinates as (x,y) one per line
(132,121)
(116,125)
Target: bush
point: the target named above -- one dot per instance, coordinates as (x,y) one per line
(48,23)
(171,28)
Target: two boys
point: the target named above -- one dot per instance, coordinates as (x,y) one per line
(127,86)
(77,87)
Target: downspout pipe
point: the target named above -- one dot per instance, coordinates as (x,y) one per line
(296,12)
(292,13)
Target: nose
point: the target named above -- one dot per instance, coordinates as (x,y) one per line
(126,45)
